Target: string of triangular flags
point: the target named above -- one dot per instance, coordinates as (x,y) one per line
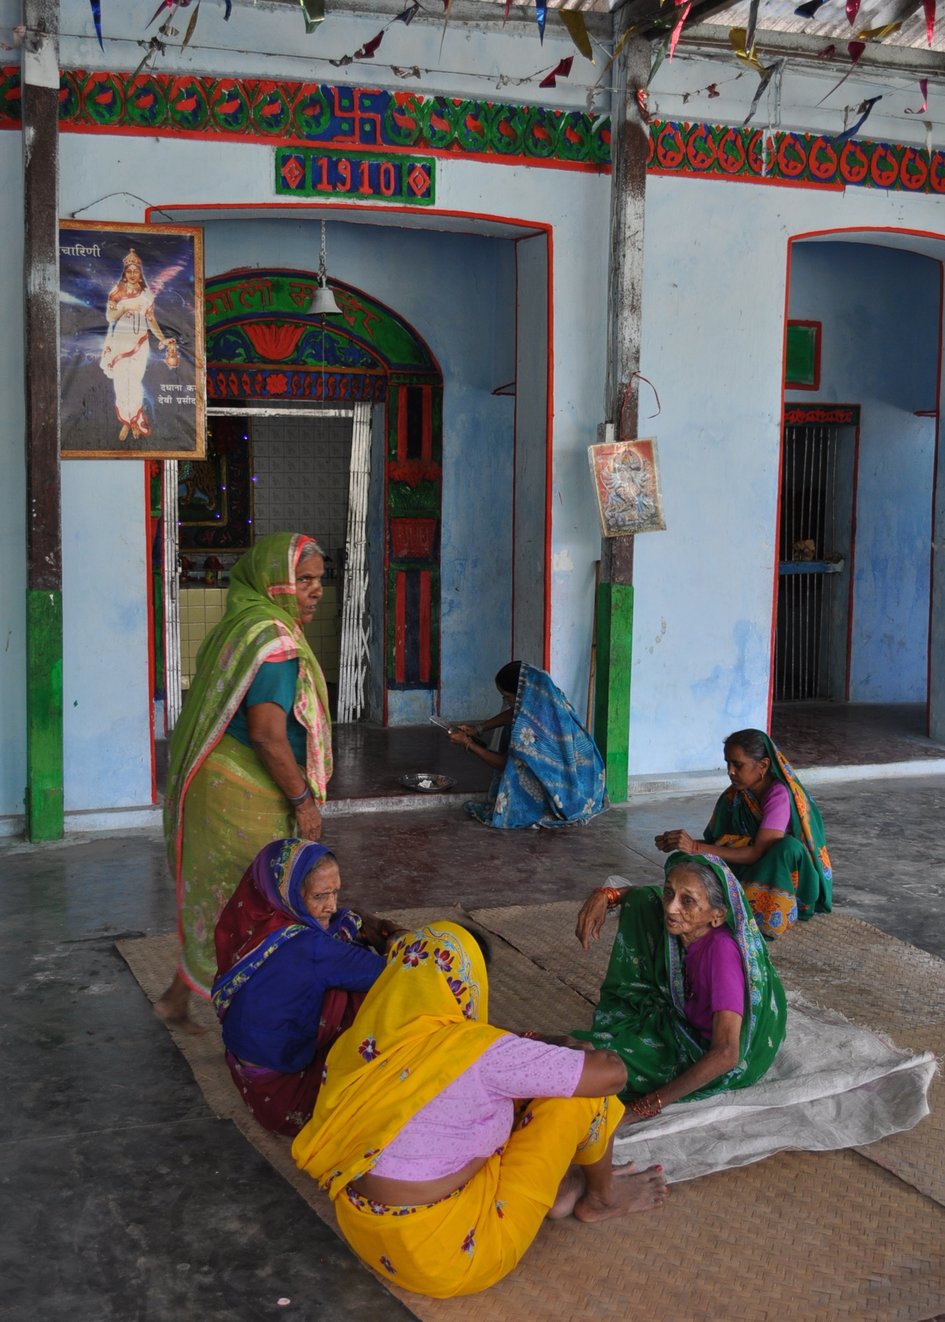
(741,39)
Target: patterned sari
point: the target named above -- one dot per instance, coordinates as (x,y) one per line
(554,775)
(793,879)
(641,1014)
(266,911)
(221,804)
(421,1025)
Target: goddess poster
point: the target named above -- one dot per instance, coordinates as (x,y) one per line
(627,487)
(133,377)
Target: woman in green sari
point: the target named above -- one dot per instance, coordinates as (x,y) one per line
(691,1002)
(250,756)
(769,831)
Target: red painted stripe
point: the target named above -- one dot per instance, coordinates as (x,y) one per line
(402,425)
(549,446)
(149,527)
(424,659)
(929,675)
(426,440)
(400,627)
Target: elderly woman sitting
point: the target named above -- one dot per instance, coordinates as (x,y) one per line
(769,831)
(691,1002)
(293,968)
(438,1179)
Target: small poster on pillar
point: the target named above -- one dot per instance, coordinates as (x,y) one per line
(131,348)
(627,487)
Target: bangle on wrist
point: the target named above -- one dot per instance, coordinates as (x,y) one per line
(298,799)
(647,1107)
(613,894)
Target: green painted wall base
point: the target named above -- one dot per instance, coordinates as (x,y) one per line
(612,684)
(44,765)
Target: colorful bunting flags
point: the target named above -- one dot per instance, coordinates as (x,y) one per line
(97,20)
(575,23)
(313,11)
(929,7)
(561,70)
(877,34)
(924,89)
(865,108)
(684,7)
(541,14)
(191,27)
(853,8)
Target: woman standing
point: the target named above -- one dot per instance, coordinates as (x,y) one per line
(769,831)
(250,756)
(130,316)
(549,771)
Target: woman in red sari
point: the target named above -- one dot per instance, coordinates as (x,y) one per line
(293,968)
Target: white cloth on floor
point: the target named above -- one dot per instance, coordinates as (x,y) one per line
(832,1085)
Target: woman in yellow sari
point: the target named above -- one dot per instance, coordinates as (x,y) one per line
(439,1180)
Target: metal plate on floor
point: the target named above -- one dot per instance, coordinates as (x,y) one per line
(427,782)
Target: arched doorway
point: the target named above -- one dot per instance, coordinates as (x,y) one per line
(266,351)
(859,458)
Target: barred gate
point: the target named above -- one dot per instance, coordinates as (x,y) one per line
(811,558)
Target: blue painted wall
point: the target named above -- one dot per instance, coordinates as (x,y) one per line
(105,588)
(880,313)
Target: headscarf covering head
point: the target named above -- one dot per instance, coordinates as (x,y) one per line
(261,623)
(279,873)
(269,569)
(266,909)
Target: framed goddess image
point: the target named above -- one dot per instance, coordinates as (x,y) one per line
(627,487)
(133,376)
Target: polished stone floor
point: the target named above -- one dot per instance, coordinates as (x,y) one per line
(123,1198)
(845,734)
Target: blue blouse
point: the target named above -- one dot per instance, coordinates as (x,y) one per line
(273,1020)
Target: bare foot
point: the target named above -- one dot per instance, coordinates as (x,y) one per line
(631,1191)
(179,1023)
(123,434)
(569,1191)
(173,1008)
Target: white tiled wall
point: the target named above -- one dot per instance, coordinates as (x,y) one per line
(301,470)
(202,608)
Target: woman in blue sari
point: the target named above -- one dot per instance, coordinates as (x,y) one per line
(292,971)
(548,770)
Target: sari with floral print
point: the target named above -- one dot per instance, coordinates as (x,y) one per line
(793,879)
(422,1024)
(641,1013)
(554,775)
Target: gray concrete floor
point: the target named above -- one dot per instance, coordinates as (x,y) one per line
(122,1197)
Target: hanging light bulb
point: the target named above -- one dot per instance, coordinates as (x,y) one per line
(324,304)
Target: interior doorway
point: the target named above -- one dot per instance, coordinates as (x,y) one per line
(815,556)
(268,470)
(859,603)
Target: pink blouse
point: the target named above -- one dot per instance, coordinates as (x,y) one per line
(473,1116)
(776,809)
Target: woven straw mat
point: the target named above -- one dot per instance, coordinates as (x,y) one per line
(818,1237)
